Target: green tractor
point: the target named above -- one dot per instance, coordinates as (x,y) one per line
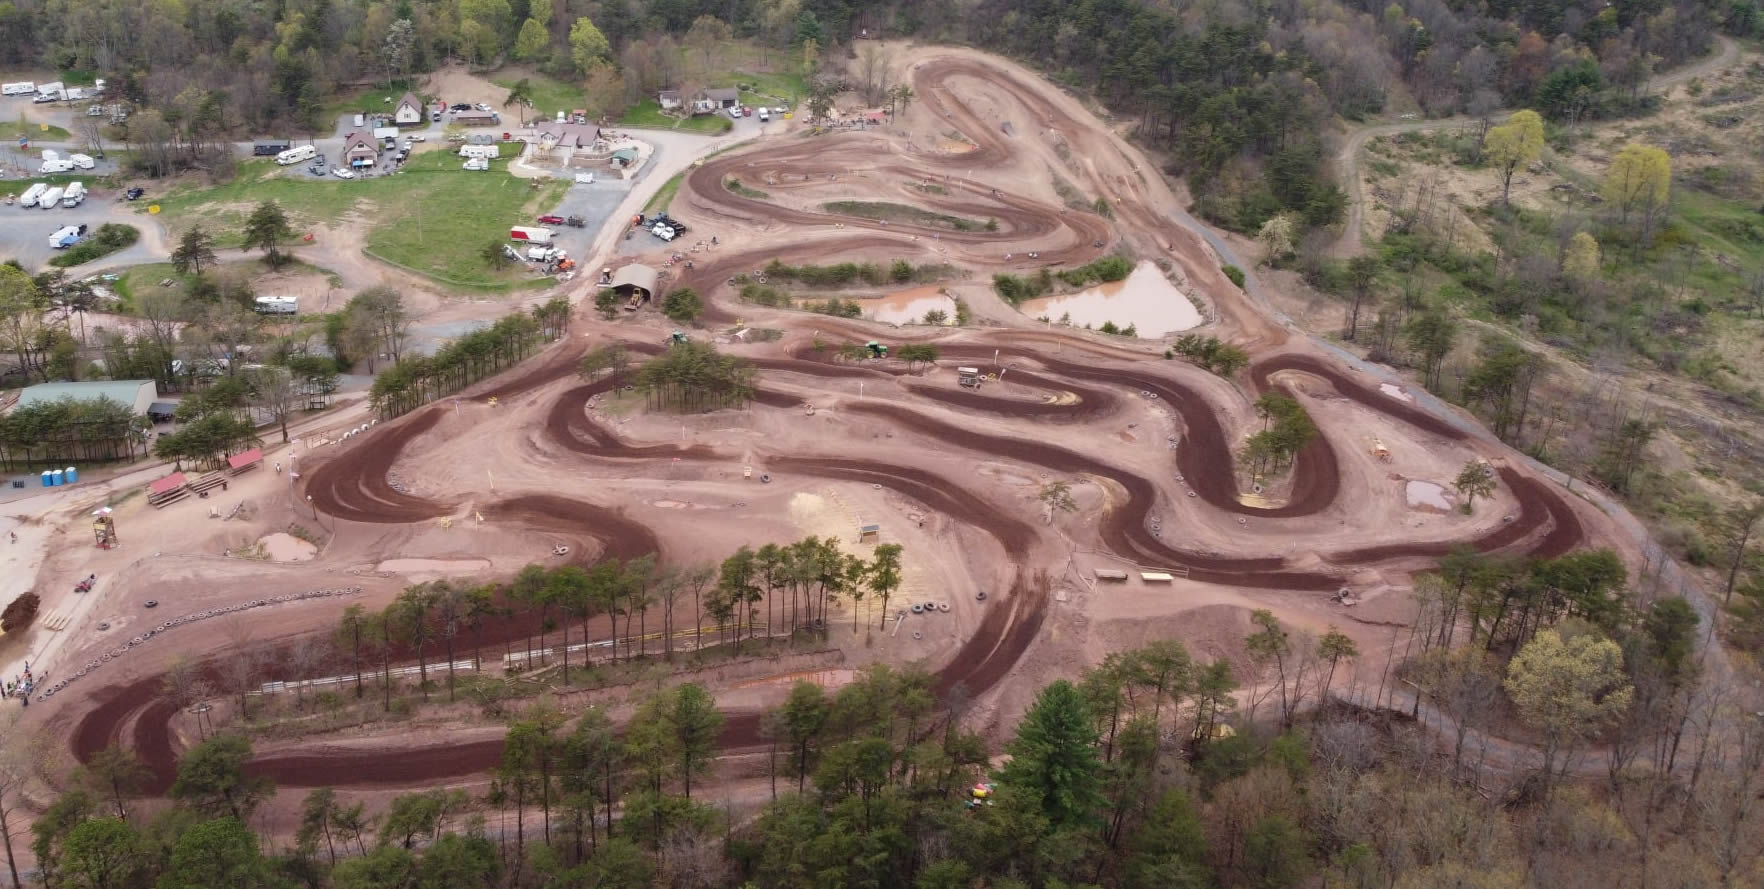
(877,350)
(679,338)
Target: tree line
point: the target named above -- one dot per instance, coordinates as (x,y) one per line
(1148,770)
(414,380)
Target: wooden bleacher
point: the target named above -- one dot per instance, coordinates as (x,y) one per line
(167,491)
(245,462)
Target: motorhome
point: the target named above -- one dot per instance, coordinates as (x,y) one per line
(270,147)
(74,195)
(296,155)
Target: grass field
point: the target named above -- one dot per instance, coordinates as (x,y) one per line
(370,98)
(12,129)
(549,94)
(649,114)
(903,213)
(664,195)
(432,217)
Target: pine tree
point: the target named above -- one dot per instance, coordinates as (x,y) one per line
(1053,758)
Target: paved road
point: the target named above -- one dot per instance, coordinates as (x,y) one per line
(1347,158)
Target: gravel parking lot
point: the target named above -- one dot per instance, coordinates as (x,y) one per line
(24,232)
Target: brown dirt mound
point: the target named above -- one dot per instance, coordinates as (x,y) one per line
(20,612)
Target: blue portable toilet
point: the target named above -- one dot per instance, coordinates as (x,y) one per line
(57,478)
(73,475)
(48,479)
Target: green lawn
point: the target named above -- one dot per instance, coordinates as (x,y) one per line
(549,94)
(432,217)
(649,114)
(664,195)
(903,213)
(366,99)
(766,88)
(30,129)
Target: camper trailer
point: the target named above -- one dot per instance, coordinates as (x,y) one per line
(29,198)
(276,305)
(52,197)
(74,195)
(296,155)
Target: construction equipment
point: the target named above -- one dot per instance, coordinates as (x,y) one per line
(968,376)
(877,350)
(679,338)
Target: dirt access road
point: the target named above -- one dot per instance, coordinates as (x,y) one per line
(1347,157)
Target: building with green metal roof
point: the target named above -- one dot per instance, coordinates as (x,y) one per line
(137,395)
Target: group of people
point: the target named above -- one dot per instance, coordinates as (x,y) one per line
(22,686)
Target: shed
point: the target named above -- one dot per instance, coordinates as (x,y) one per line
(876,117)
(136,395)
(635,278)
(668,99)
(724,97)
(409,110)
(361,151)
(624,157)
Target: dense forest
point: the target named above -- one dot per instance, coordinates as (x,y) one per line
(1240,92)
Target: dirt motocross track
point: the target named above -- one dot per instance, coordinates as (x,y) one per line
(1095,412)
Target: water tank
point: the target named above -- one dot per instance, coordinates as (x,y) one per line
(48,479)
(73,475)
(57,478)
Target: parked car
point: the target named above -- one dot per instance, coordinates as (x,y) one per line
(735,112)
(765,114)
(459,106)
(416,137)
(319,169)
(482,107)
(746,111)
(551,219)
(134,194)
(342,173)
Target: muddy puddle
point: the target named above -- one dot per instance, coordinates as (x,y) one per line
(1428,496)
(908,306)
(283,547)
(1145,299)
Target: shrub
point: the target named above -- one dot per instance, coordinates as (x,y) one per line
(1235,274)
(109,238)
(682,304)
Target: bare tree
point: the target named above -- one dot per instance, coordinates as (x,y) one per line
(274,392)
(305,656)
(239,669)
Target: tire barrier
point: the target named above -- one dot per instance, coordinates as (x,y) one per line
(142,639)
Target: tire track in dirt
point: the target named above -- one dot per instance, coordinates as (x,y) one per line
(352,485)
